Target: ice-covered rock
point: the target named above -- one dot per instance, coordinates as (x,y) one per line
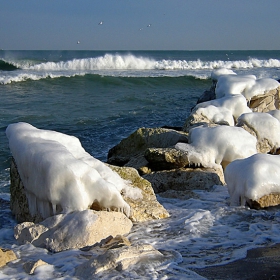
(59,176)
(212,146)
(254,179)
(264,127)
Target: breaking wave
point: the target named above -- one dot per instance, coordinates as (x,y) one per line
(123,65)
(132,62)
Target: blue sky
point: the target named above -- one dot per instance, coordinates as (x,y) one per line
(175,24)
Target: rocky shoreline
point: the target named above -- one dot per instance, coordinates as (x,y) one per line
(152,162)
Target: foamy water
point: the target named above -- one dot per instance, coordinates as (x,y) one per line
(201,231)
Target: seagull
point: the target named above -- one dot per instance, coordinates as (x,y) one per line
(100,23)
(78,42)
(149,25)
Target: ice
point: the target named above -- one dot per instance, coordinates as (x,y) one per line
(216,114)
(265,125)
(248,85)
(212,146)
(59,174)
(235,104)
(253,177)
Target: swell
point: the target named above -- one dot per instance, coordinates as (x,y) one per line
(7,66)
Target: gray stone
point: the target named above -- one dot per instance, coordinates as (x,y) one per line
(140,140)
(166,158)
(120,259)
(185,179)
(74,230)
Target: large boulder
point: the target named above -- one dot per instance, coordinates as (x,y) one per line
(144,209)
(74,230)
(122,258)
(183,179)
(165,158)
(140,140)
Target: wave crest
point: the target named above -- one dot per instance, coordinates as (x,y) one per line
(132,62)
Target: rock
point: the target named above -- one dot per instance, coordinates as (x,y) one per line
(147,208)
(18,202)
(30,267)
(74,230)
(269,200)
(116,242)
(140,140)
(183,179)
(165,158)
(264,145)
(207,95)
(195,120)
(119,259)
(28,232)
(152,209)
(266,101)
(6,256)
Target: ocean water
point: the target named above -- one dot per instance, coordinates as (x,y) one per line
(103,97)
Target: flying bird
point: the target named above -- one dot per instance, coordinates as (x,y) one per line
(100,23)
(149,25)
(78,42)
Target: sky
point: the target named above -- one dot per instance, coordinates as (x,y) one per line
(140,25)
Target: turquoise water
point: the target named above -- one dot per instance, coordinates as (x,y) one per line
(102,97)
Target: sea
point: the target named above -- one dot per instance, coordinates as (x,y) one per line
(102,97)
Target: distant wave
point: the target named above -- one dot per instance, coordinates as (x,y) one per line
(124,65)
(132,62)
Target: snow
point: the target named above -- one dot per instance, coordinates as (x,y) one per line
(252,178)
(60,176)
(212,146)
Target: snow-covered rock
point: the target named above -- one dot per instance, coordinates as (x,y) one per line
(251,179)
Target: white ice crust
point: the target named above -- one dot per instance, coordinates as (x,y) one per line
(211,146)
(60,176)
(252,178)
(249,175)
(265,125)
